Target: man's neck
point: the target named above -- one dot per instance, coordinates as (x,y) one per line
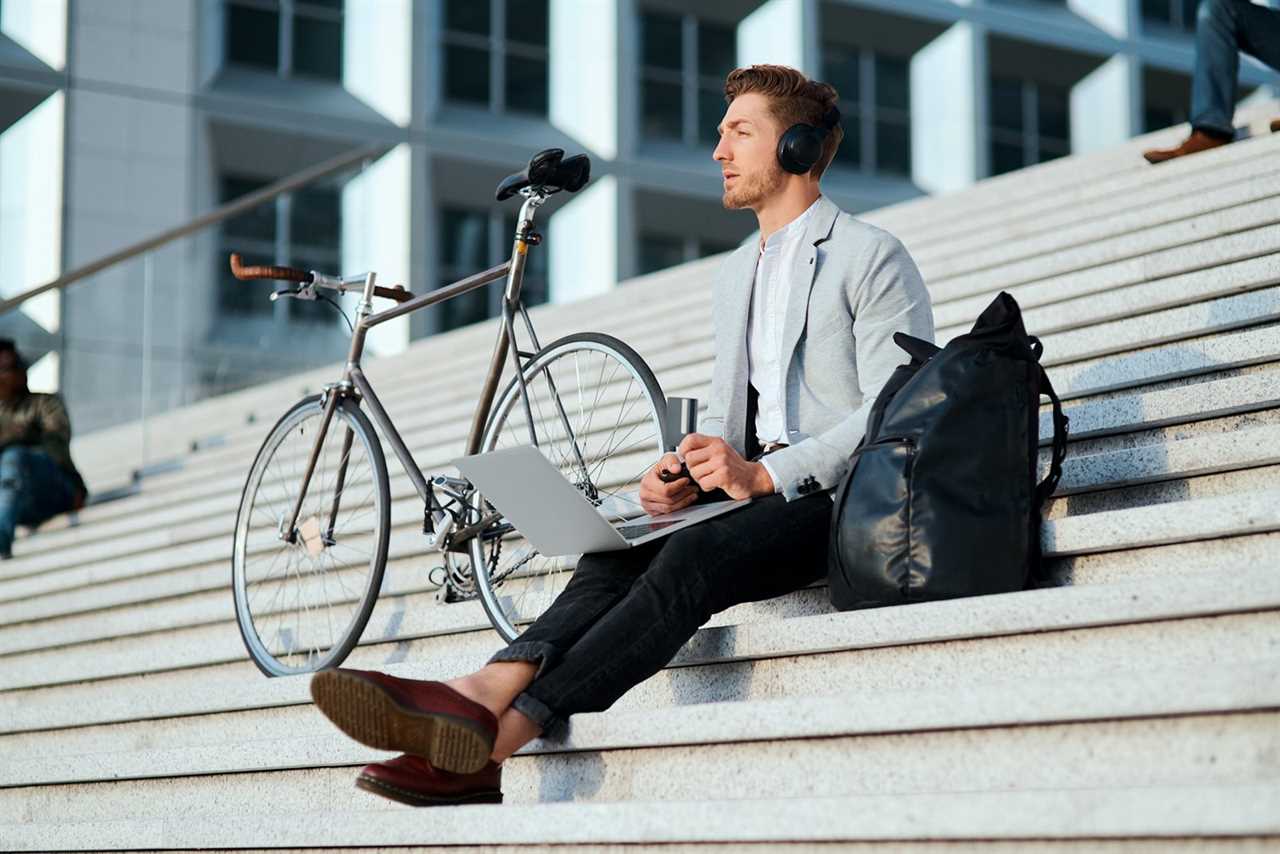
(777,211)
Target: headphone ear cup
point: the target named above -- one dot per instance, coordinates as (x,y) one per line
(799,148)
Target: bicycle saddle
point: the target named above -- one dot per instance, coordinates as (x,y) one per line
(548,171)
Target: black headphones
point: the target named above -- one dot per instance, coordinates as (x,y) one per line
(801,146)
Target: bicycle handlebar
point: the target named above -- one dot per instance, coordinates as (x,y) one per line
(267,271)
(292,274)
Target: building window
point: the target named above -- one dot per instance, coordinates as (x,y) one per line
(301,38)
(684,62)
(474,240)
(1175,14)
(1030,123)
(875,108)
(495,54)
(298,229)
(660,251)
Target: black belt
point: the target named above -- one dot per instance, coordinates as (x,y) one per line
(770,447)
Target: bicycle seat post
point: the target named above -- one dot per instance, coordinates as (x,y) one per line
(524,238)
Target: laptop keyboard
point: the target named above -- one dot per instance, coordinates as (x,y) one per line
(633,531)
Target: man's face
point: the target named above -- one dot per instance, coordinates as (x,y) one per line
(747,152)
(12,378)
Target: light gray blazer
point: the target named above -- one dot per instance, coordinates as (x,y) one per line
(852,287)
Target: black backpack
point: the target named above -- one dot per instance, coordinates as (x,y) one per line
(941,498)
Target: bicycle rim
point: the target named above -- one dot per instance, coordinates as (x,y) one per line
(302,606)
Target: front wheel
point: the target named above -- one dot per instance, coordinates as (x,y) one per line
(303,597)
(598,415)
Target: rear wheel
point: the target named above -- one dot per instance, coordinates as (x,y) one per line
(598,415)
(302,598)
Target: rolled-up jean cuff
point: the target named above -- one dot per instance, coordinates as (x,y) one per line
(550,722)
(543,653)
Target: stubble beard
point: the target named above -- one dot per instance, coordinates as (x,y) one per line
(754,189)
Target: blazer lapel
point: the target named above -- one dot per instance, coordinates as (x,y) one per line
(803,270)
(739,285)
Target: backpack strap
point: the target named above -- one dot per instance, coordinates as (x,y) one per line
(1060,424)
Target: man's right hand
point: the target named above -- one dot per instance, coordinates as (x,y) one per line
(657,497)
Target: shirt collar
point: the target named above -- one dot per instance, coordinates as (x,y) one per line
(790,230)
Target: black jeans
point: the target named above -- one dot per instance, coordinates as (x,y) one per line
(1223,29)
(625,614)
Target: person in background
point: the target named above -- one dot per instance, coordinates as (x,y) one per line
(1223,29)
(37,478)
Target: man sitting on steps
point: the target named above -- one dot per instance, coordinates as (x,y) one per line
(1223,29)
(37,478)
(804,322)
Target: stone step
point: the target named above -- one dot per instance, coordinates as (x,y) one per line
(1128,413)
(1096,201)
(1091,374)
(1097,235)
(299,737)
(1195,244)
(456,639)
(1141,811)
(138,558)
(1196,456)
(57,624)
(1057,308)
(1063,183)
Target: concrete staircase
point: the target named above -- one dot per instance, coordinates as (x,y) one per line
(1134,707)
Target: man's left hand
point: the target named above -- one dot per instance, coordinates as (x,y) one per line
(714,464)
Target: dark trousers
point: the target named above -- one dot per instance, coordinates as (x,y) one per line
(625,614)
(1223,29)
(32,489)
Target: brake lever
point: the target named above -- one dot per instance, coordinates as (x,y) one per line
(299,292)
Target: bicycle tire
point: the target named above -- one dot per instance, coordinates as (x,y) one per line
(346,415)
(484,571)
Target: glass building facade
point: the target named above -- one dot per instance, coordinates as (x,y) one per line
(181,105)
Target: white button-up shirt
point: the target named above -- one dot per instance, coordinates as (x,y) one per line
(764,333)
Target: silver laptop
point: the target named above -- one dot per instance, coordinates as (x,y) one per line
(558,519)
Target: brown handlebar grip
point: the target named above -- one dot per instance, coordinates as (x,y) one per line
(398,293)
(266,271)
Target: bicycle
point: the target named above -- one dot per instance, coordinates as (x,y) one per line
(298,530)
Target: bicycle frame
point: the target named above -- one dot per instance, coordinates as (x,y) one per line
(355,383)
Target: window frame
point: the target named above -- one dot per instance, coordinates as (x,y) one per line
(692,82)
(287,13)
(1029,137)
(499,46)
(282,249)
(868,109)
(499,231)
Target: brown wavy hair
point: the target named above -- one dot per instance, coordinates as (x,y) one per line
(793,98)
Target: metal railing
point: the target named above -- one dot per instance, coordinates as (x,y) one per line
(133,361)
(241,205)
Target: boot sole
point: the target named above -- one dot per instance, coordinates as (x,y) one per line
(366,712)
(417,799)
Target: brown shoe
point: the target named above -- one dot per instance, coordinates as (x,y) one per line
(1194,144)
(427,719)
(1275,125)
(412,780)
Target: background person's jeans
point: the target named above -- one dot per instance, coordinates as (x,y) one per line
(1223,29)
(32,489)
(625,614)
